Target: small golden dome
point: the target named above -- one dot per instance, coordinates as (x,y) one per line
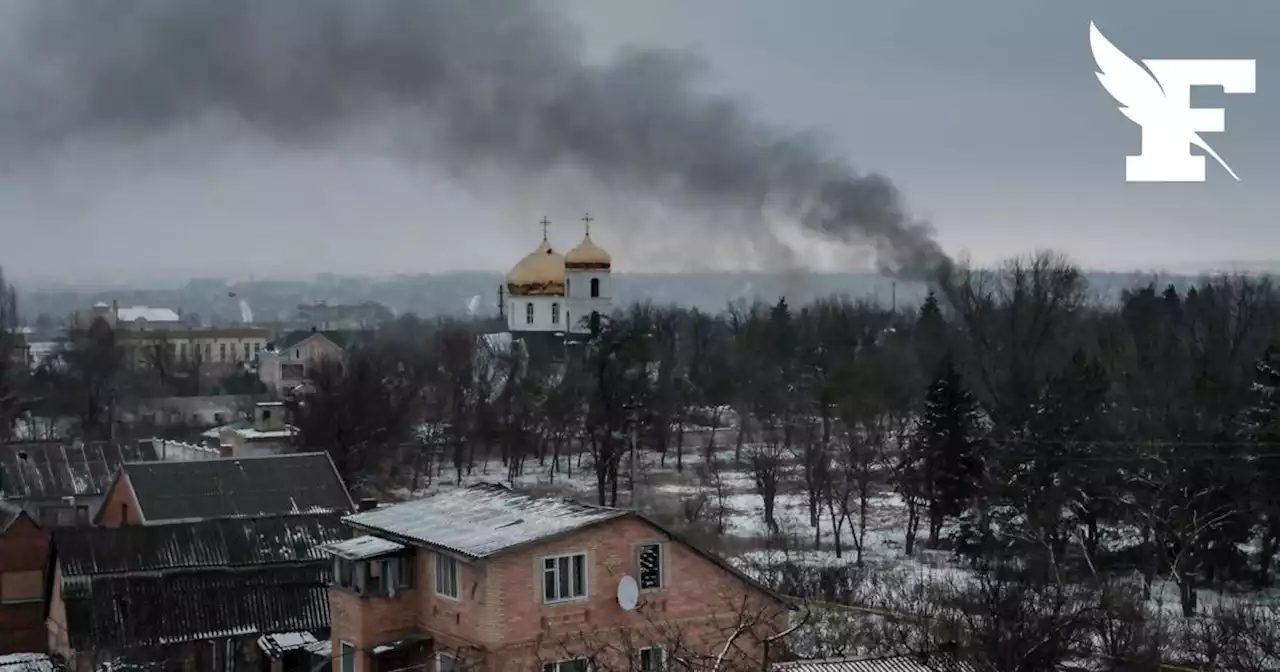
(587,255)
(540,273)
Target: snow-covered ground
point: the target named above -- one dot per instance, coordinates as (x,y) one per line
(699,500)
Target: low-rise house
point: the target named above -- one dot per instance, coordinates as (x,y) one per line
(155,493)
(23,549)
(150,336)
(195,596)
(195,412)
(267,434)
(63,484)
(491,580)
(287,362)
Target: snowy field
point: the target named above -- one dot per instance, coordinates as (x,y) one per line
(722,509)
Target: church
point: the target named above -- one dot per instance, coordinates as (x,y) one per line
(552,299)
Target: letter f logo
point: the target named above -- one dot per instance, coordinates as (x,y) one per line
(1160,102)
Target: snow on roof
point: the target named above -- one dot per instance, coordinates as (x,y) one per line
(363,548)
(134,313)
(281,642)
(481,520)
(26,662)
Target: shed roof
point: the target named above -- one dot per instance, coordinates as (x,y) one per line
(481,520)
(363,548)
(299,483)
(120,612)
(228,543)
(8,514)
(50,470)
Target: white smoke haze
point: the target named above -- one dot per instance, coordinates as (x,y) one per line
(192,122)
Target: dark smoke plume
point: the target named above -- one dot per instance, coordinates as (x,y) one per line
(494,81)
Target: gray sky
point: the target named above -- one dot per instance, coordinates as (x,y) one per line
(986,114)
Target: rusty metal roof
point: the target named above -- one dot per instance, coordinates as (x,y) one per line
(121,612)
(229,543)
(299,483)
(50,470)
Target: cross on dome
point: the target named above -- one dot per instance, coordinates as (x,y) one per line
(545,222)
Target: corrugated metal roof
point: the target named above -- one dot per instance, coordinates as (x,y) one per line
(242,542)
(8,514)
(361,548)
(128,612)
(50,470)
(936,662)
(481,520)
(301,483)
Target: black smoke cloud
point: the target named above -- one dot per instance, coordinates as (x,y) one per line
(493,81)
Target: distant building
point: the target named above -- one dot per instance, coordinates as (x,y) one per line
(287,362)
(149,334)
(342,317)
(552,298)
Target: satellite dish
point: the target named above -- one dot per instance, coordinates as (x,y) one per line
(628,593)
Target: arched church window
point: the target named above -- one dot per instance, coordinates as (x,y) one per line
(595,322)
(595,288)
(528,313)
(555,313)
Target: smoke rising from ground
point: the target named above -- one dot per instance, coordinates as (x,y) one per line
(493,83)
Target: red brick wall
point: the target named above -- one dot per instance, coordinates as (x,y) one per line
(119,507)
(23,547)
(699,605)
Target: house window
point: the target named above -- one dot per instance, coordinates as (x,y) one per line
(246,351)
(651,659)
(222,352)
(447,663)
(348,654)
(595,288)
(27,586)
(297,353)
(555,313)
(649,566)
(578,665)
(564,578)
(446,576)
(257,348)
(208,351)
(82,515)
(182,351)
(528,313)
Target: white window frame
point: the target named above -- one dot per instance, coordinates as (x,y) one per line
(567,557)
(528,313)
(555,667)
(662,657)
(440,656)
(662,565)
(343,657)
(447,561)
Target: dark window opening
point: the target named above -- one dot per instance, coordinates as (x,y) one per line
(595,288)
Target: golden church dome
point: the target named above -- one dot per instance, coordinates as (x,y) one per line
(540,273)
(587,255)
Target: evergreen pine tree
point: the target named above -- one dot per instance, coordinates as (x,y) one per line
(948,445)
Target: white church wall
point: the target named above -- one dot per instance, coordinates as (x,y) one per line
(547,313)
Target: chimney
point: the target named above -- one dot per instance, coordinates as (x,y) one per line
(367,504)
(115,309)
(226,450)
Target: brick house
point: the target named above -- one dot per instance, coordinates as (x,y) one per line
(151,493)
(194,596)
(23,547)
(485,579)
